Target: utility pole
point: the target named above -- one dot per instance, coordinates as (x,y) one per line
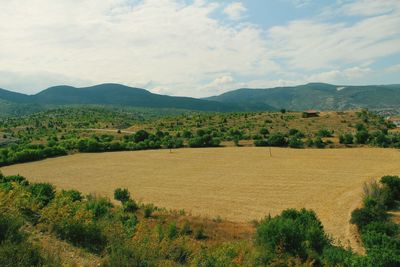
(270,152)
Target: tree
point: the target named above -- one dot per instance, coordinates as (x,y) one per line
(122,194)
(140,136)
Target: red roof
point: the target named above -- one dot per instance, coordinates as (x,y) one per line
(394,119)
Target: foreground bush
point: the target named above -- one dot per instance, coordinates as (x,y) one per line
(298,233)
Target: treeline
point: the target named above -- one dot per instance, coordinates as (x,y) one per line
(381,138)
(141,140)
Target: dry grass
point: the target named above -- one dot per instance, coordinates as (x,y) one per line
(238,184)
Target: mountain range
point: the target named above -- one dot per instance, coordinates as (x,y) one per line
(318,96)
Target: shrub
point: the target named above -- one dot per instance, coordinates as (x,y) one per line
(22,254)
(130,206)
(324,133)
(186,230)
(277,139)
(83,234)
(172,231)
(392,185)
(319,143)
(295,142)
(42,192)
(10,228)
(298,233)
(121,194)
(261,142)
(199,233)
(362,137)
(364,216)
(100,206)
(346,139)
(148,210)
(74,195)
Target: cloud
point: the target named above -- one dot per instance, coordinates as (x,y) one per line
(301,3)
(393,68)
(339,76)
(168,43)
(369,8)
(235,10)
(186,47)
(314,44)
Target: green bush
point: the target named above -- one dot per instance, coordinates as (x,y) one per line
(172,231)
(297,233)
(100,206)
(346,139)
(130,206)
(295,142)
(277,139)
(42,192)
(122,194)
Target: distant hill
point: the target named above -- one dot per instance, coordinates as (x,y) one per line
(316,96)
(113,94)
(310,96)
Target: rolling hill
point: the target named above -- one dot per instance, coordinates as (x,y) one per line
(316,96)
(112,94)
(309,96)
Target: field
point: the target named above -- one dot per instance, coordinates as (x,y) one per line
(239,184)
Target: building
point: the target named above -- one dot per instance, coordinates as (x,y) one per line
(395,121)
(310,113)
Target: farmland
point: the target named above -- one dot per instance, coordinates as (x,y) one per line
(239,184)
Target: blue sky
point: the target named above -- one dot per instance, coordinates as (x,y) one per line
(198,47)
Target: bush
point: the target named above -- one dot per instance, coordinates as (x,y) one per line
(295,142)
(130,206)
(366,215)
(319,143)
(392,185)
(121,194)
(277,139)
(298,233)
(99,206)
(346,139)
(42,192)
(172,231)
(324,133)
(199,233)
(362,137)
(148,210)
(22,254)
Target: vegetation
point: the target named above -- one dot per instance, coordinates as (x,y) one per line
(130,238)
(380,236)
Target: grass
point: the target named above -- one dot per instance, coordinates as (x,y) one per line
(239,184)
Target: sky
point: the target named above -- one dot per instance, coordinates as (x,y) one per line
(197,47)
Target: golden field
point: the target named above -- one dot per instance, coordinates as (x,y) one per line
(236,183)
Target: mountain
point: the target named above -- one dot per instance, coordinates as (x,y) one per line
(314,96)
(114,94)
(318,96)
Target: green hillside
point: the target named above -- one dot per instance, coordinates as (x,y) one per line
(316,96)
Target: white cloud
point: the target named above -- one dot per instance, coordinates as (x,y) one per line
(338,76)
(370,7)
(393,68)
(301,3)
(171,46)
(235,10)
(165,42)
(314,44)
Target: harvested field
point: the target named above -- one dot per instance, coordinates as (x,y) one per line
(238,184)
